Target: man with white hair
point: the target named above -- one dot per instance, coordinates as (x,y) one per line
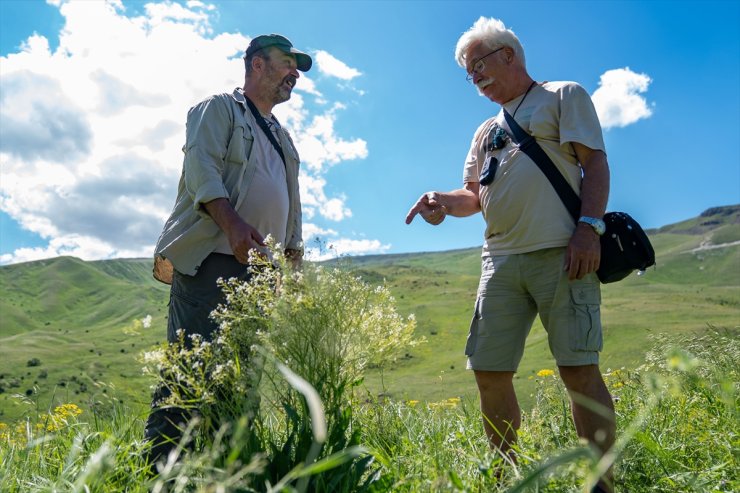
(535,260)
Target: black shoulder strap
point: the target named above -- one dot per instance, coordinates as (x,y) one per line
(263,125)
(531,148)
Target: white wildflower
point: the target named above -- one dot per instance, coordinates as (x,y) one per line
(154,356)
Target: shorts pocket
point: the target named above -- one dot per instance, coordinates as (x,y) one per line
(585,332)
(190,314)
(177,297)
(473,332)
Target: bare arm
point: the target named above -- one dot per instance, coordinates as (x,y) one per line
(595,186)
(242,237)
(435,206)
(584,250)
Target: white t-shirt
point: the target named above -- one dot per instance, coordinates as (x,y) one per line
(267,204)
(523,213)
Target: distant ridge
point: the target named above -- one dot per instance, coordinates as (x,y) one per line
(710,219)
(725,210)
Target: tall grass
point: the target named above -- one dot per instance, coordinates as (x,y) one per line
(281,407)
(677,419)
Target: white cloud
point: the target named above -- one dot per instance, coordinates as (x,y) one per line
(117,96)
(320,147)
(307,85)
(312,231)
(92,131)
(330,65)
(54,128)
(84,247)
(343,247)
(618,100)
(159,13)
(335,209)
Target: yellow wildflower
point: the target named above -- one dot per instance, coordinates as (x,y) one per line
(447,403)
(54,421)
(412,403)
(66,411)
(545,373)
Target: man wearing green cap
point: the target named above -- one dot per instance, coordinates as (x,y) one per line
(239,184)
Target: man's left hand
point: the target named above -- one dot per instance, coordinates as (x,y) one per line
(295,257)
(583,253)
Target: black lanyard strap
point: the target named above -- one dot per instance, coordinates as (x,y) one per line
(531,148)
(263,125)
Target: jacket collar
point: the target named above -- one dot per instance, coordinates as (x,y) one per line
(240,98)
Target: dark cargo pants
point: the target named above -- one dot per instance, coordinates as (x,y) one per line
(192,299)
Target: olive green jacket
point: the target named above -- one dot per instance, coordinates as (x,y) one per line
(217,164)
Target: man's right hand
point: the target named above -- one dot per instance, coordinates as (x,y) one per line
(429,207)
(242,236)
(435,206)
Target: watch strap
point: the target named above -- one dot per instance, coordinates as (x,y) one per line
(597,224)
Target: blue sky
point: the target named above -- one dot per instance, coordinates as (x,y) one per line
(94,96)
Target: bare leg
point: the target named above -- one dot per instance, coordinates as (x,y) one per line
(593,410)
(498,403)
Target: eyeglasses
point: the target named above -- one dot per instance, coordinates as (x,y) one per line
(480,65)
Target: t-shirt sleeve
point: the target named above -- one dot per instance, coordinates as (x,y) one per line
(472,167)
(578,119)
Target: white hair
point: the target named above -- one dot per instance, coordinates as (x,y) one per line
(493,34)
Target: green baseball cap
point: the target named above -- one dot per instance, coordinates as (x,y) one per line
(282,43)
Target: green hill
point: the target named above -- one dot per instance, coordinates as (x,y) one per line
(71,331)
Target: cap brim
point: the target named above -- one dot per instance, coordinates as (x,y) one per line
(303,60)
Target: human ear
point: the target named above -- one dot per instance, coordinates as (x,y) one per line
(509,55)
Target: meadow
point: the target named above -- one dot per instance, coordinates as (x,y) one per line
(74,396)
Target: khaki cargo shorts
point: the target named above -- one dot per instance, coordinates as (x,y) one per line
(513,290)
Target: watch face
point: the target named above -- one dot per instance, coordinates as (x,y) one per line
(598,225)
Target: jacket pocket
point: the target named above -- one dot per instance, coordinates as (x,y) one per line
(240,146)
(585,332)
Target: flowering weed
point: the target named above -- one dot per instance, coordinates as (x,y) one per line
(319,325)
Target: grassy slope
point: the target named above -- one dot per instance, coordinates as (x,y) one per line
(80,318)
(685,292)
